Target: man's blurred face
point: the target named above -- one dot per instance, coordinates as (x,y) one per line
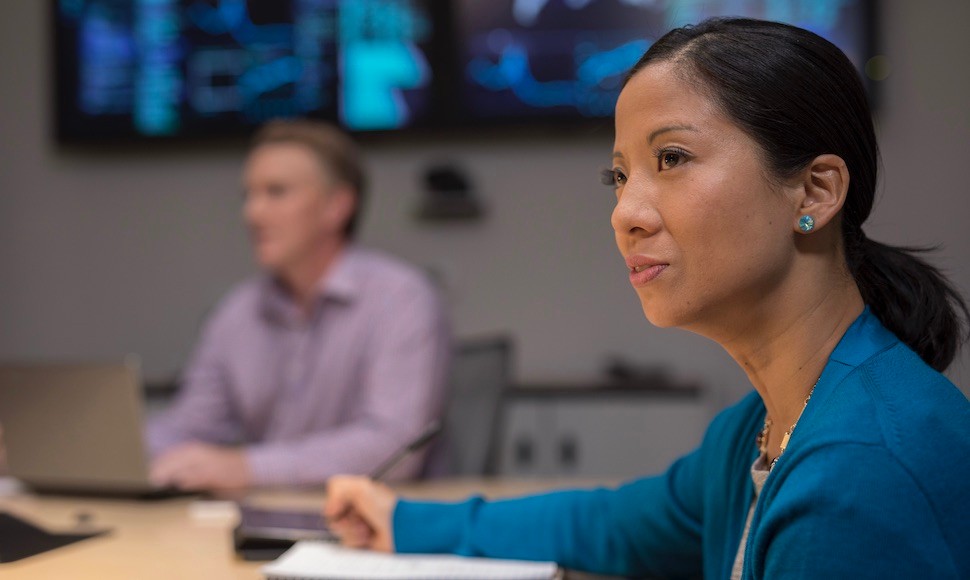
(288,199)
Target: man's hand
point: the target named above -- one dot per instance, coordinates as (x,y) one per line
(359,512)
(200,466)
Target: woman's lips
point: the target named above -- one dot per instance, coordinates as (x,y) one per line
(643,268)
(641,275)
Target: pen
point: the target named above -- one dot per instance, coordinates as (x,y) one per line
(420,441)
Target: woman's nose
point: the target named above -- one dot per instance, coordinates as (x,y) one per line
(635,212)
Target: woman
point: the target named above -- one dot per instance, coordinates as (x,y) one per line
(744,167)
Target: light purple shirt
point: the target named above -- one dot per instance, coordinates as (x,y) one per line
(310,397)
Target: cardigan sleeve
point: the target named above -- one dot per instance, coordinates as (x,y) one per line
(648,526)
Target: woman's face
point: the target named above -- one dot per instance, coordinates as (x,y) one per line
(705,233)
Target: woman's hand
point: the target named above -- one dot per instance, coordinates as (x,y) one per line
(359,512)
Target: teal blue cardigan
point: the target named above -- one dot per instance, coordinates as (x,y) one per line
(875,483)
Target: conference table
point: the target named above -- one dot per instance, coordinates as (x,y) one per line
(190,537)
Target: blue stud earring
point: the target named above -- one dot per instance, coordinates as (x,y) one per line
(806,223)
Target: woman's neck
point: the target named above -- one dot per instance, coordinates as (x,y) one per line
(785,345)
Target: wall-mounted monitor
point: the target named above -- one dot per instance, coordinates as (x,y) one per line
(176,68)
(183,69)
(566,59)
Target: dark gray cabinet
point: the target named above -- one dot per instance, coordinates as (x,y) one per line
(551,432)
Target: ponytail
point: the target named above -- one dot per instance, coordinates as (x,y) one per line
(910,297)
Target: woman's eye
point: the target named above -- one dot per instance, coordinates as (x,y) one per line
(669,158)
(613,177)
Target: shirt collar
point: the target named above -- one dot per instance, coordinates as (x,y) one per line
(340,285)
(864,338)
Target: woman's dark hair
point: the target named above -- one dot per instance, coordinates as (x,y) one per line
(798,96)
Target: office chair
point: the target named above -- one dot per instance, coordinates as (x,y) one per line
(480,375)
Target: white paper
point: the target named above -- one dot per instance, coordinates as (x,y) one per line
(324,561)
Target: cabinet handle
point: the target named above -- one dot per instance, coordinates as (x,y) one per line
(523,452)
(568,452)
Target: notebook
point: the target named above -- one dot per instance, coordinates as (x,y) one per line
(325,561)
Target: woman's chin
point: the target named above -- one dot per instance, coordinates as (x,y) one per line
(658,315)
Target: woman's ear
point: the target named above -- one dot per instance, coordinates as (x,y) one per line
(824,185)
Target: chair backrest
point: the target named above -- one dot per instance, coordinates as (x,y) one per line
(480,375)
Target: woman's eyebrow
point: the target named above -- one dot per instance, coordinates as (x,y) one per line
(658,132)
(668,129)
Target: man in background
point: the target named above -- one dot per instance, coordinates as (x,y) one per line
(326,363)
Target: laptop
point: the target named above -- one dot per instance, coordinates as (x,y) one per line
(76,428)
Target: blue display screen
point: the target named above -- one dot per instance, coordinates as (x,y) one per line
(164,69)
(561,58)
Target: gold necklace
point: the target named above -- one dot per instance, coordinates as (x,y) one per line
(762,439)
